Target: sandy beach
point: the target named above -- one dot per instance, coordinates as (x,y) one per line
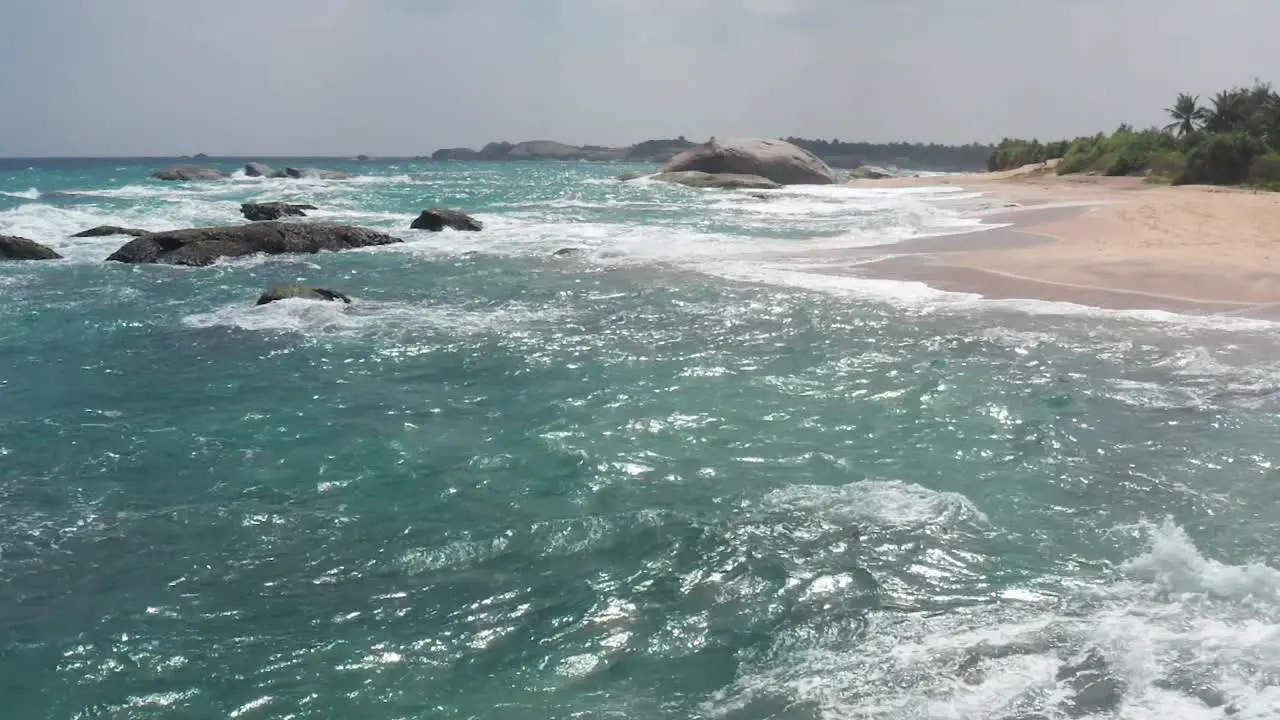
(1107,242)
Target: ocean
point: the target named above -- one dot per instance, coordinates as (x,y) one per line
(696,469)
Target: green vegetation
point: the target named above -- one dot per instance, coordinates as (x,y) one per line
(1234,140)
(908,156)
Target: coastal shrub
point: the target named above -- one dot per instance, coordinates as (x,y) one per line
(1013,153)
(1083,155)
(1265,171)
(1166,164)
(1222,159)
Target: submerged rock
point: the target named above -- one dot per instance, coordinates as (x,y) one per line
(301,293)
(777,160)
(108,230)
(17,248)
(188,172)
(629,176)
(203,246)
(313,174)
(273,210)
(567,252)
(723,181)
(437,219)
(257,169)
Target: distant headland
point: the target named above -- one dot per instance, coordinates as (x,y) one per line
(908,156)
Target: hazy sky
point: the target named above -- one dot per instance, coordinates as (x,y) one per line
(404,77)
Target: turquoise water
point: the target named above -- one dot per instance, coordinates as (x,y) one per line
(682,474)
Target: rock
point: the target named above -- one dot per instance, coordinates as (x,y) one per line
(313,174)
(437,219)
(203,246)
(108,230)
(273,210)
(363,158)
(567,252)
(445,154)
(16,248)
(257,169)
(62,195)
(869,172)
(188,172)
(301,293)
(724,181)
(776,160)
(629,176)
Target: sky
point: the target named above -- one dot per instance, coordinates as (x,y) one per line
(404,77)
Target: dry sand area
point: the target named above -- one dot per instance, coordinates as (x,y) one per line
(1125,244)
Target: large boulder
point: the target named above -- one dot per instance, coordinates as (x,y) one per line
(188,172)
(203,246)
(109,230)
(312,174)
(446,154)
(723,181)
(16,248)
(301,293)
(437,219)
(257,169)
(776,160)
(273,210)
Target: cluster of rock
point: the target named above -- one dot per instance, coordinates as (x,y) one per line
(648,151)
(195,173)
(267,234)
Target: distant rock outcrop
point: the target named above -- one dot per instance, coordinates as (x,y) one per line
(109,230)
(869,172)
(273,210)
(257,169)
(203,246)
(314,174)
(776,160)
(722,181)
(302,293)
(446,154)
(437,219)
(17,248)
(363,158)
(188,172)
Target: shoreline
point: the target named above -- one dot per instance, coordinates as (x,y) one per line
(1111,243)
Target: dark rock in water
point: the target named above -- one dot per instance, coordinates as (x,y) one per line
(108,230)
(629,176)
(203,246)
(313,174)
(188,172)
(61,194)
(869,172)
(16,248)
(437,219)
(301,293)
(722,181)
(363,158)
(567,252)
(201,156)
(776,160)
(1094,689)
(273,210)
(257,169)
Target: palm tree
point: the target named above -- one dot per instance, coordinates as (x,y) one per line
(1229,111)
(1187,115)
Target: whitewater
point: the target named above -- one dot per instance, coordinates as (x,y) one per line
(698,467)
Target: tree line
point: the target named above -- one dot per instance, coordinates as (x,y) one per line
(1232,140)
